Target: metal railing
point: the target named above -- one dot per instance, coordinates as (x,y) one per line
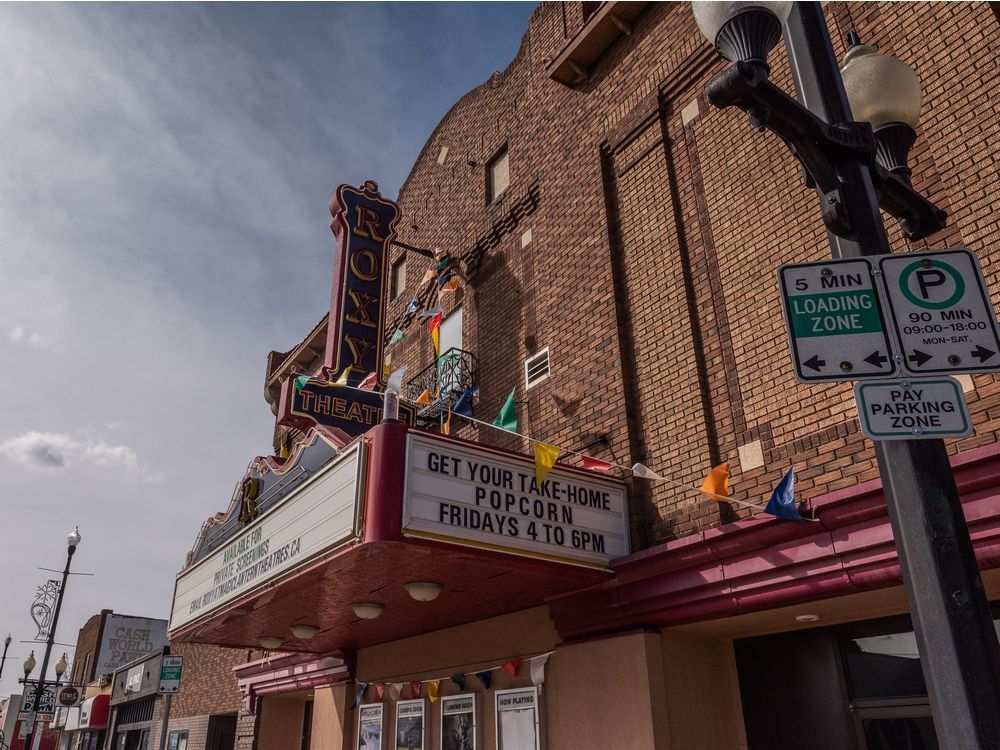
(446,379)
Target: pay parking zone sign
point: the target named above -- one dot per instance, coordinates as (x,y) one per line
(944,318)
(835,325)
(912,409)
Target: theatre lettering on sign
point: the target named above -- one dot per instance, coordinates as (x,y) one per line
(364,224)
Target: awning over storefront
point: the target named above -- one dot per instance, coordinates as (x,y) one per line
(286,673)
(396,507)
(94,712)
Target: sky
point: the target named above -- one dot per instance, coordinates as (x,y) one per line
(164,180)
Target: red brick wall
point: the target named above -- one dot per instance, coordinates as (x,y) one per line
(88,641)
(651,269)
(208,685)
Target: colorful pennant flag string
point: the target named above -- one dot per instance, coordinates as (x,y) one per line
(716,484)
(459,680)
(379,690)
(595,464)
(424,399)
(395,688)
(432,690)
(507,418)
(485,677)
(511,666)
(342,380)
(359,694)
(782,502)
(415,689)
(545,458)
(507,421)
(397,336)
(538,670)
(369,382)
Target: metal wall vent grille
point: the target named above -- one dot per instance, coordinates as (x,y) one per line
(536,368)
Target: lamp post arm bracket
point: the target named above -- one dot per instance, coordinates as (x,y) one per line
(917,216)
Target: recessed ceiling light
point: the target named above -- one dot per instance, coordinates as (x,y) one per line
(368,610)
(424,591)
(304,632)
(270,642)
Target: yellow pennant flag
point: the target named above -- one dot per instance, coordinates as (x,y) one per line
(342,380)
(545,459)
(425,398)
(436,337)
(432,690)
(717,482)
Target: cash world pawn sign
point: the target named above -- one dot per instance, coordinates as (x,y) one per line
(944,320)
(836,330)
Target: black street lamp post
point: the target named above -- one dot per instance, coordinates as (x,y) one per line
(3,659)
(858,167)
(72,541)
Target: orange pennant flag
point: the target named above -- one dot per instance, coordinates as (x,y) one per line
(432,690)
(545,459)
(425,398)
(717,482)
(451,285)
(446,425)
(512,666)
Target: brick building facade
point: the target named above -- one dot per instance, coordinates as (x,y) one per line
(603,212)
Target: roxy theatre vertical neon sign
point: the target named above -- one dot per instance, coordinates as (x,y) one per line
(364,224)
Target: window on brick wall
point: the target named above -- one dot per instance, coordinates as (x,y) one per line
(397,281)
(497,175)
(589,9)
(177,741)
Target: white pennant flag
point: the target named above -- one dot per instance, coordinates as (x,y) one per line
(394,689)
(395,381)
(641,470)
(538,670)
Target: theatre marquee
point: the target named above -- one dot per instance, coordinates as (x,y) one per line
(480,497)
(318,516)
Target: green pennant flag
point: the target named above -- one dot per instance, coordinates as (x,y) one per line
(396,336)
(459,680)
(300,381)
(448,355)
(507,418)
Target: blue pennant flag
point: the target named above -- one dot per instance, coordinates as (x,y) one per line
(362,687)
(485,677)
(413,306)
(782,502)
(463,407)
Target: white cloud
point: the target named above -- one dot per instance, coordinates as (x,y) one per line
(57,451)
(33,339)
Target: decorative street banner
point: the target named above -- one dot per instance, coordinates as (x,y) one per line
(126,639)
(364,224)
(476,496)
(346,412)
(46,709)
(323,516)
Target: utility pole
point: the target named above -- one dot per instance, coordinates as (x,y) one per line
(959,651)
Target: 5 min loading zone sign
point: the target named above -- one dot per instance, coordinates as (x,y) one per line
(835,324)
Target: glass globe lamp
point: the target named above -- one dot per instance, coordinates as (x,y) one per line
(742,31)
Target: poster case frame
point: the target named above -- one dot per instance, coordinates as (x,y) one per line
(536,707)
(381,724)
(474,697)
(423,721)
